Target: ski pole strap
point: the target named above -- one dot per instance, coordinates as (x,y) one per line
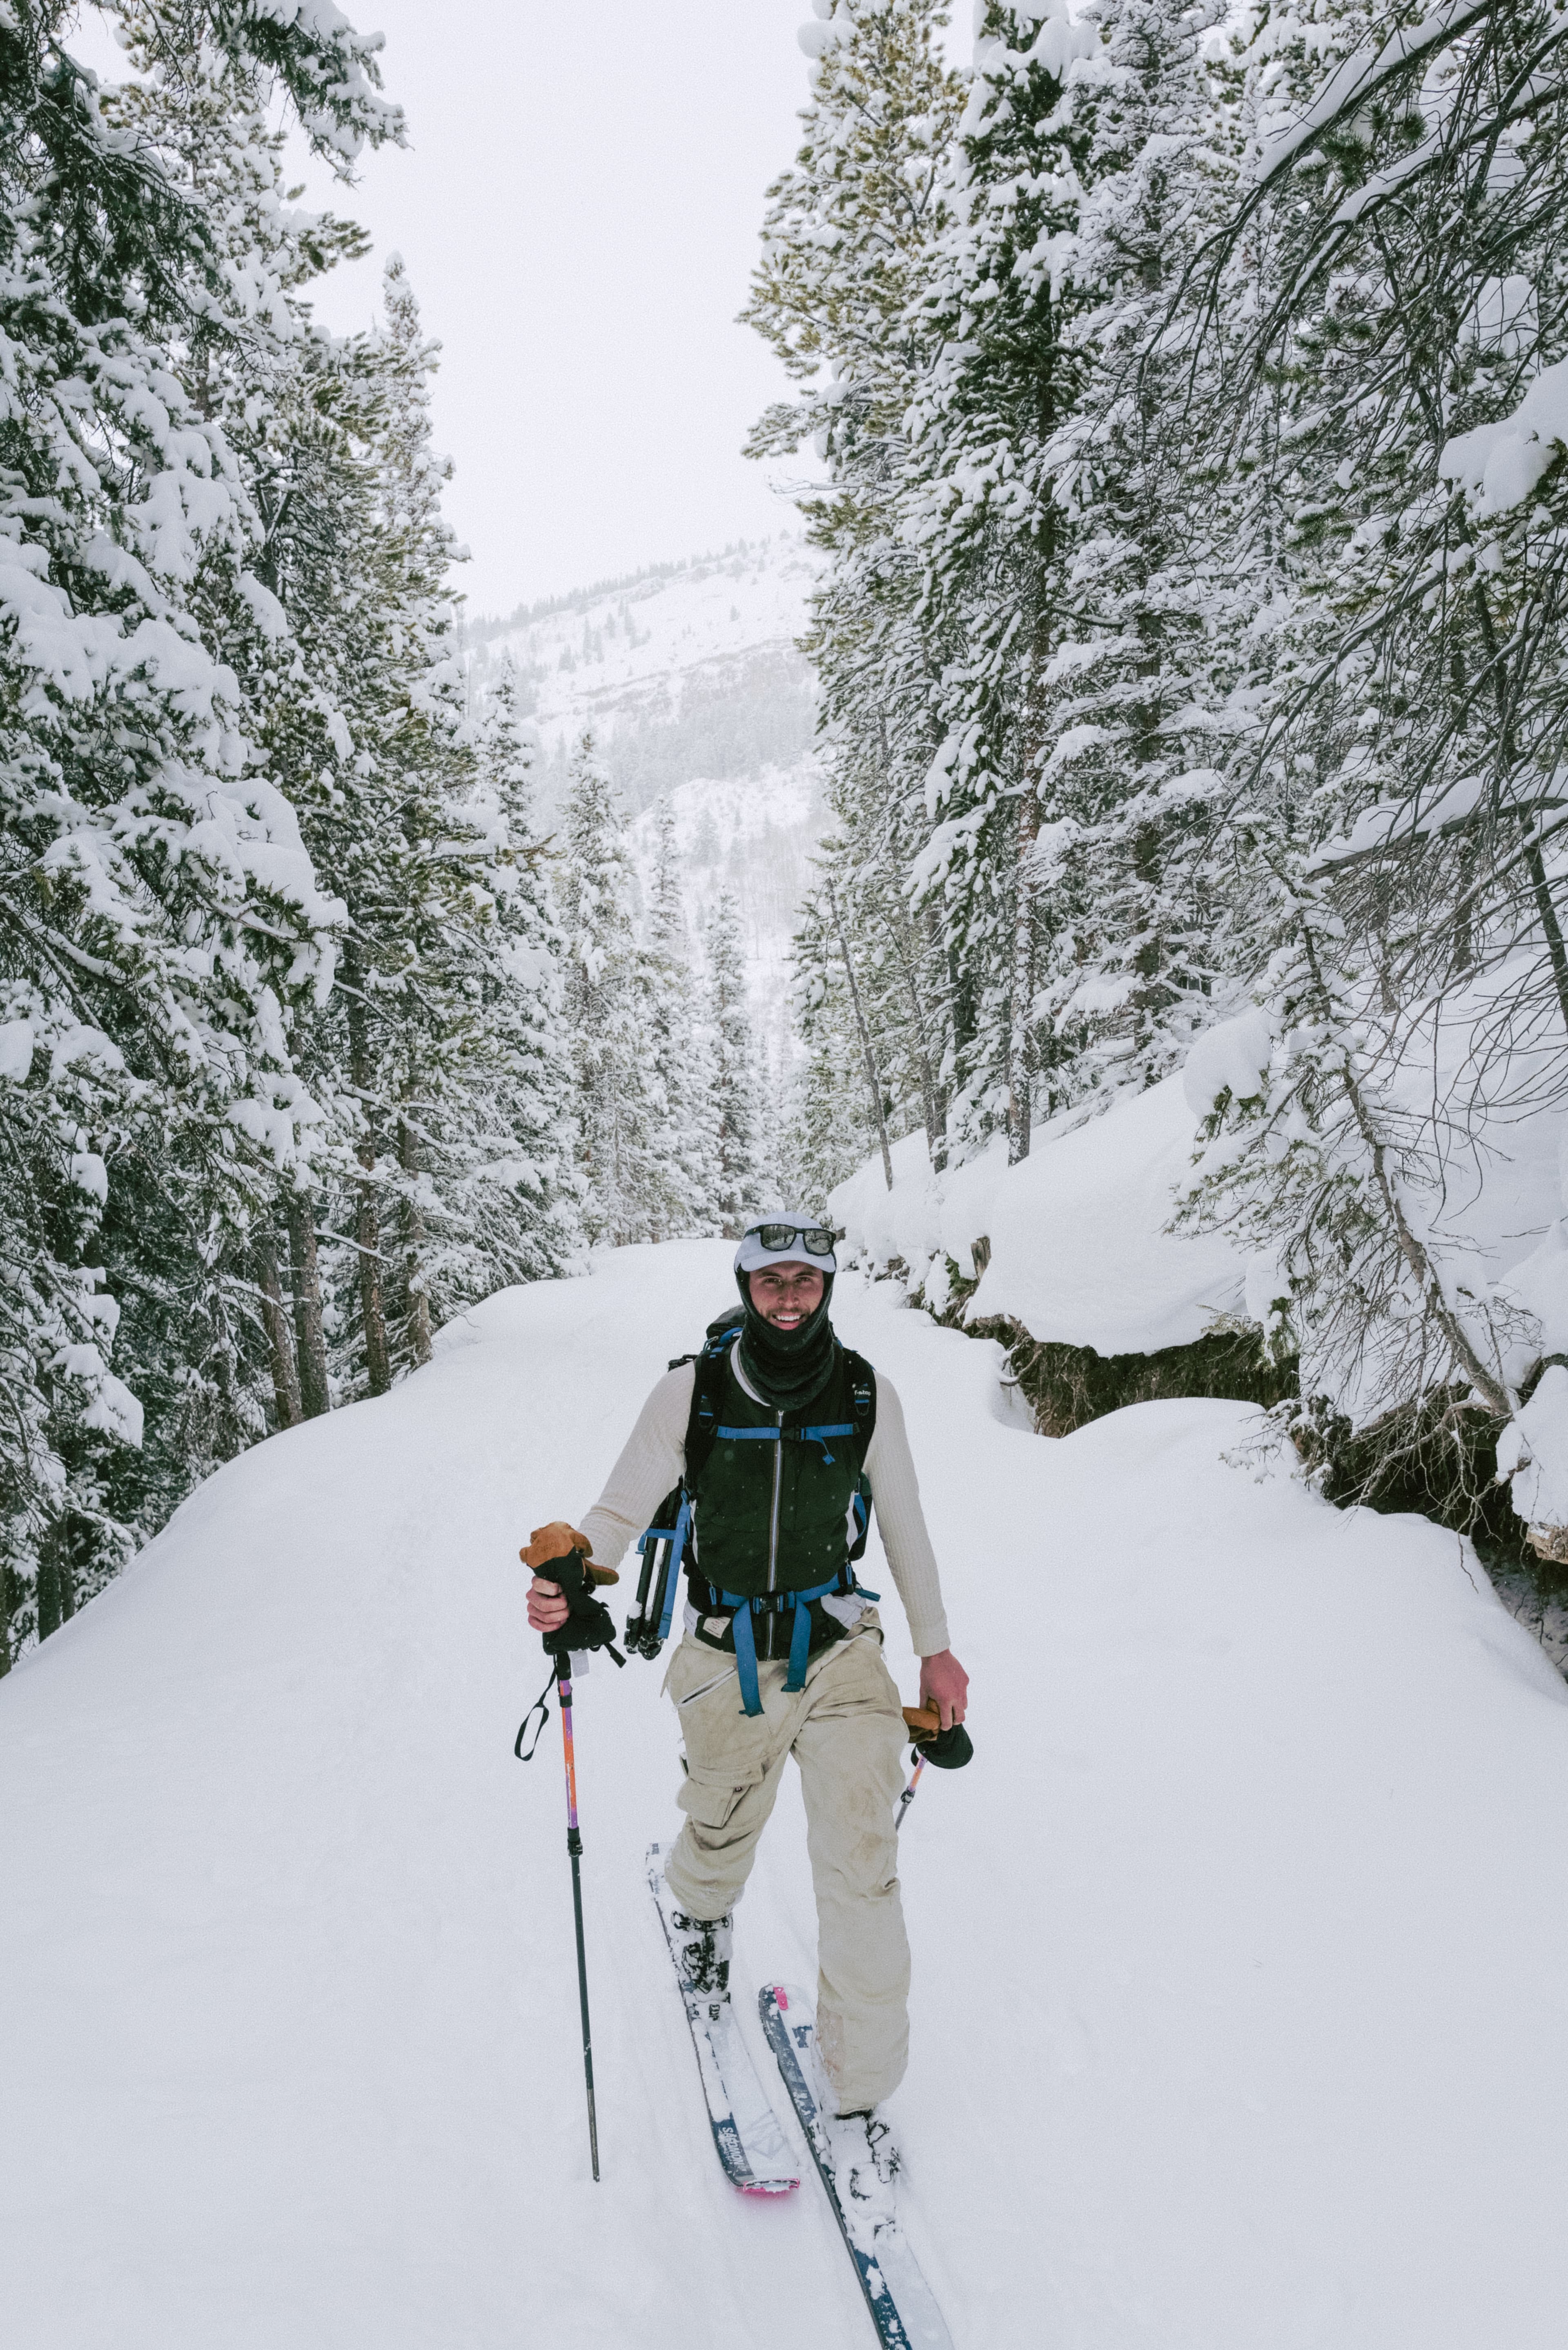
(540,1708)
(799,1638)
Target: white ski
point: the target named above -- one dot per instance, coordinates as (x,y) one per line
(902,2307)
(747,2133)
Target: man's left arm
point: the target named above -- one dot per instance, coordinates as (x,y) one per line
(896,1490)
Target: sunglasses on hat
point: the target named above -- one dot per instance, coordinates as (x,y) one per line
(815,1238)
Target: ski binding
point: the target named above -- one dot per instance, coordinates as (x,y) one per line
(902,2307)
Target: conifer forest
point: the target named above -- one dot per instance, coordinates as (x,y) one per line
(1187,387)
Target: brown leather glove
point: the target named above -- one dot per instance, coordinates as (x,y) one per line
(559,1540)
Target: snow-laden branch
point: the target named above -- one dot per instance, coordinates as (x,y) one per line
(1500,464)
(1359,77)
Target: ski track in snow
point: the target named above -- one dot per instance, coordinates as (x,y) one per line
(1239,1979)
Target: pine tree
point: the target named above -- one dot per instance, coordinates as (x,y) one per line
(1168,576)
(161,917)
(735,1070)
(830,1122)
(849,252)
(508,1183)
(685,1144)
(605,1010)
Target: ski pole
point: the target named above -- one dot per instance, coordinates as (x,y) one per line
(570,1569)
(575,1852)
(907,1797)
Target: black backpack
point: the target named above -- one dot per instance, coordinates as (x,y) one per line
(663,1546)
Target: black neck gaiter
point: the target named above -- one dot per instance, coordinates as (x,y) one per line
(787,1367)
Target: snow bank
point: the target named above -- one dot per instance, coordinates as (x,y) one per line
(924,1215)
(1079,1252)
(1238,1949)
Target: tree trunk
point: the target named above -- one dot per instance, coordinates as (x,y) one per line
(1021,994)
(935,1137)
(372,1296)
(304,1277)
(414,1241)
(868,1057)
(284,1370)
(367,1227)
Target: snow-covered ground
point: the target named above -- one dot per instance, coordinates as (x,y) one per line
(1239,1986)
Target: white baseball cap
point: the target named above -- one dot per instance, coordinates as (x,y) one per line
(787,1238)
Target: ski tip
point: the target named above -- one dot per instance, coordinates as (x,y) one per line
(771,2187)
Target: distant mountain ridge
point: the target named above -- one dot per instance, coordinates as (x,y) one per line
(690,677)
(486,627)
(679,671)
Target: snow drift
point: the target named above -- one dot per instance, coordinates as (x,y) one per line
(1079,1250)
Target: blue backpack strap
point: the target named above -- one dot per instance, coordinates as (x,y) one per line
(821,1435)
(707,1387)
(799,1638)
(860,1504)
(745,1655)
(677,1554)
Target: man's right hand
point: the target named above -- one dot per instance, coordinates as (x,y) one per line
(547,1609)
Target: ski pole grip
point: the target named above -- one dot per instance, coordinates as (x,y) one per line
(588,1624)
(949,1750)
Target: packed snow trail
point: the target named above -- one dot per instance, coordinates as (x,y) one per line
(1240,1985)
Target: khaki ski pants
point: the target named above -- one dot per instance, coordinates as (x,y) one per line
(845,1729)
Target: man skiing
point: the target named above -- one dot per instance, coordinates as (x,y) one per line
(774,1614)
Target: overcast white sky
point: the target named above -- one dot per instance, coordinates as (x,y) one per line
(579,210)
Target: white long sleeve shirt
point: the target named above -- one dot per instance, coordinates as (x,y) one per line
(653,1461)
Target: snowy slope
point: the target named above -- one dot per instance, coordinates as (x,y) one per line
(690,680)
(1079,1251)
(610,656)
(1239,1969)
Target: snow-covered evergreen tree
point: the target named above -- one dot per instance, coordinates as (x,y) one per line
(735,1071)
(162,916)
(607,1011)
(1167,575)
(686,1144)
(849,249)
(830,1122)
(504,1194)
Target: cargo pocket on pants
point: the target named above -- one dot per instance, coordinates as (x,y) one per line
(711,1799)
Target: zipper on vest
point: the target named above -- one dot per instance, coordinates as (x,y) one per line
(773,1522)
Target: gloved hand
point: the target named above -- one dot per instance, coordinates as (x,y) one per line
(558,1554)
(948,1749)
